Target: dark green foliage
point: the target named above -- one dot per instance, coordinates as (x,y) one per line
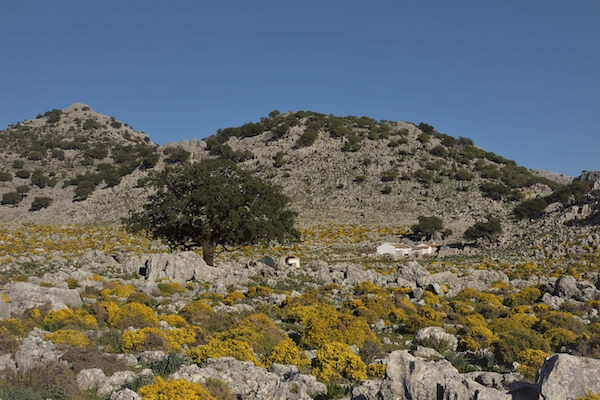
(280,131)
(53,116)
(116,124)
(167,365)
(490,229)
(40,202)
(274,114)
(427,226)
(511,342)
(58,154)
(5,176)
(35,156)
(97,152)
(352,143)
(389,175)
(463,175)
(494,191)
(23,189)
(464,141)
(574,192)
(530,209)
(517,177)
(213,202)
(225,152)
(84,190)
(387,189)
(424,138)
(359,179)
(311,133)
(11,198)
(176,155)
(439,151)
(279,160)
(426,128)
(39,179)
(91,123)
(424,177)
(18,164)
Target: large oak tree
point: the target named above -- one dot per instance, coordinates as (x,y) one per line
(211,203)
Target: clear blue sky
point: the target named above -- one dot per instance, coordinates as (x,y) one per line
(521,78)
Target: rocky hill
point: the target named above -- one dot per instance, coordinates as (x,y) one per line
(91,312)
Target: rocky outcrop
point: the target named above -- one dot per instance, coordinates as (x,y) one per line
(436,336)
(22,296)
(35,352)
(411,378)
(566,377)
(251,382)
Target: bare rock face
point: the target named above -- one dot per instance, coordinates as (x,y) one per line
(24,295)
(251,382)
(566,377)
(35,352)
(125,394)
(90,378)
(436,335)
(412,378)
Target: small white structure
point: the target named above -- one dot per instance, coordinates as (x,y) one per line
(396,249)
(405,250)
(292,261)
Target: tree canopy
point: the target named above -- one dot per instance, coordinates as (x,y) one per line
(427,226)
(490,229)
(214,202)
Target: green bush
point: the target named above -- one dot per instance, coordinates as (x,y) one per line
(35,156)
(311,133)
(5,176)
(11,198)
(40,202)
(18,164)
(427,226)
(116,124)
(463,175)
(439,151)
(487,230)
(389,175)
(530,209)
(91,123)
(23,189)
(423,176)
(176,155)
(39,179)
(53,116)
(494,191)
(23,174)
(426,128)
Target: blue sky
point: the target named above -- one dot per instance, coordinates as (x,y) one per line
(521,78)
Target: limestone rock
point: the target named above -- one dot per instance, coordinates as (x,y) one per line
(568,377)
(125,394)
(24,295)
(35,352)
(90,378)
(436,335)
(114,382)
(251,382)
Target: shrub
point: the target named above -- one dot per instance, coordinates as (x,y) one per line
(489,230)
(91,123)
(525,296)
(11,198)
(178,389)
(494,191)
(335,360)
(258,330)
(35,155)
(531,360)
(216,348)
(530,209)
(167,365)
(69,318)
(116,124)
(426,128)
(18,164)
(286,352)
(130,314)
(151,338)
(427,226)
(23,174)
(463,175)
(176,155)
(23,189)
(170,288)
(219,389)
(439,151)
(39,203)
(389,175)
(311,133)
(423,176)
(5,176)
(53,115)
(70,337)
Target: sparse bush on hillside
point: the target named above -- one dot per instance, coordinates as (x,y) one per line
(23,189)
(426,128)
(35,155)
(23,174)
(176,155)
(5,176)
(352,143)
(39,179)
(279,160)
(18,164)
(424,177)
(424,138)
(389,175)
(40,202)
(530,209)
(91,123)
(428,226)
(490,229)
(311,133)
(53,116)
(11,198)
(439,151)
(279,131)
(463,175)
(116,124)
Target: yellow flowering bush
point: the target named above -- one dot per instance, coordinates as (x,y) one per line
(286,352)
(531,360)
(376,370)
(118,289)
(169,288)
(335,361)
(590,396)
(13,326)
(141,339)
(197,311)
(69,318)
(478,337)
(178,389)
(324,324)
(70,337)
(216,348)
(131,314)
(258,330)
(258,291)
(174,320)
(233,297)
(526,296)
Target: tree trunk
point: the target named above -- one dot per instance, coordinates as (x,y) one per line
(208,252)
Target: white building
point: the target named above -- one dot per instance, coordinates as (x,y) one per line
(404,250)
